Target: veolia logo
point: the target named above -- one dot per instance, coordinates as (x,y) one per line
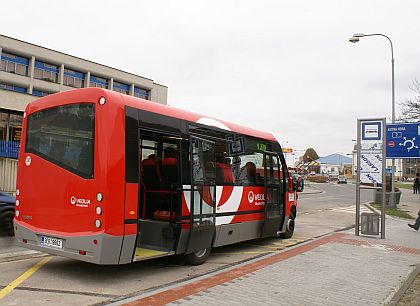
(80,202)
(250,197)
(257,199)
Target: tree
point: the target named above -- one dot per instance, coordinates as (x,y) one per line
(410,108)
(310,155)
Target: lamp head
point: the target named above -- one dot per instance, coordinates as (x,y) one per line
(359,35)
(353,39)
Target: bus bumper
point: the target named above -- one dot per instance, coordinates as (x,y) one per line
(102,249)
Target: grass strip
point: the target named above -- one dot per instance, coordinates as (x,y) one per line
(394,212)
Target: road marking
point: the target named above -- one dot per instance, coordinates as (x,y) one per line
(350,209)
(9,288)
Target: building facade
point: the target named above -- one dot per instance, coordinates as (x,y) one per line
(410,167)
(28,71)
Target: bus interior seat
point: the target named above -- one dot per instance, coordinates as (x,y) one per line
(158,176)
(169,172)
(224,175)
(151,178)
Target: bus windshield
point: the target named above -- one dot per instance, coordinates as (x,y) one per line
(63,135)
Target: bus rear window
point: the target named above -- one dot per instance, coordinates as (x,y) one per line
(63,135)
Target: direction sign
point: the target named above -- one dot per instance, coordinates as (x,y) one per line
(403,140)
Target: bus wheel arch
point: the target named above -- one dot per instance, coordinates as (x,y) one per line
(290,227)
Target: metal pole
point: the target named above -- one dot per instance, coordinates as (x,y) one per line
(392,201)
(383,178)
(355,39)
(357,227)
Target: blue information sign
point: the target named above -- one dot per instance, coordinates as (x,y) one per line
(403,140)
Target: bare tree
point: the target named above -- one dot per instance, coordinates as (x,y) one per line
(410,108)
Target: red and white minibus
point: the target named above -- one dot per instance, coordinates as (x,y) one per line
(108,178)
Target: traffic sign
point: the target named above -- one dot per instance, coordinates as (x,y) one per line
(403,140)
(371,139)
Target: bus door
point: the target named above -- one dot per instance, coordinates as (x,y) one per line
(274,198)
(159,202)
(203,195)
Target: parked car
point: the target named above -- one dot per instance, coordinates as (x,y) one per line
(298,182)
(7,213)
(333,175)
(342,179)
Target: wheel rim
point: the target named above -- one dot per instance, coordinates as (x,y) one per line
(200,253)
(291,225)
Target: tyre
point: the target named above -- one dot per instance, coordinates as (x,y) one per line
(6,222)
(198,257)
(290,229)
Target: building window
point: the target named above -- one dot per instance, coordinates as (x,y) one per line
(40,93)
(10,126)
(73,78)
(12,88)
(141,93)
(98,82)
(14,64)
(46,72)
(122,88)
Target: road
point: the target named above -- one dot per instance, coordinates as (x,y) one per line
(68,282)
(330,210)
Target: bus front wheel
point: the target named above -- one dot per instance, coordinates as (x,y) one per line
(198,258)
(290,228)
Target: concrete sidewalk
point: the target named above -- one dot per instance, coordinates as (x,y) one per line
(337,269)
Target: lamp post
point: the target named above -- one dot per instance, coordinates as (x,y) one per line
(354,39)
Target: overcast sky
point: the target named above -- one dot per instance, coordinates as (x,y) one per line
(285,67)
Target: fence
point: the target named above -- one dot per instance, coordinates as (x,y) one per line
(9,149)
(8,171)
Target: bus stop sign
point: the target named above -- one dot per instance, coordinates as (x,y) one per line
(403,140)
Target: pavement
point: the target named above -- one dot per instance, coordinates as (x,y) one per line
(336,269)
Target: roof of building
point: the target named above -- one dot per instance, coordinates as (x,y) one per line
(334,159)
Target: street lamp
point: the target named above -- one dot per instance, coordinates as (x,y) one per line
(354,39)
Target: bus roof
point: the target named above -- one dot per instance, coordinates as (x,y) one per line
(92,94)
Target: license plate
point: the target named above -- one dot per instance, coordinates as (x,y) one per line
(52,242)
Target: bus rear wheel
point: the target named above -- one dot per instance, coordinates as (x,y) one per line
(6,222)
(198,258)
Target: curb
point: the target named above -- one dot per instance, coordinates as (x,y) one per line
(394,297)
(316,191)
(402,287)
